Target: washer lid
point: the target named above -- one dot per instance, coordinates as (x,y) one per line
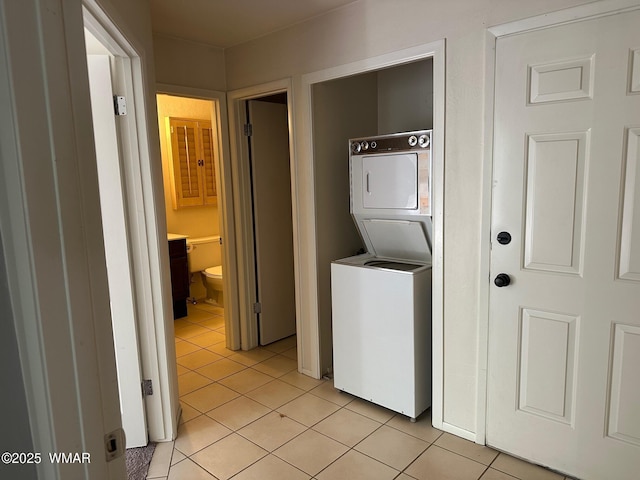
(400,239)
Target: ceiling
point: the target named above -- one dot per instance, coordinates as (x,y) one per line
(224,23)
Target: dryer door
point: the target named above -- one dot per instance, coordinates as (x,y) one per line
(390,181)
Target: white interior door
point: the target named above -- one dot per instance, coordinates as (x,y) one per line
(271,181)
(564,334)
(117,252)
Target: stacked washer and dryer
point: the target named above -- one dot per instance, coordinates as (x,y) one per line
(381,300)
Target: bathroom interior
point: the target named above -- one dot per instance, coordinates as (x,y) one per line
(191,203)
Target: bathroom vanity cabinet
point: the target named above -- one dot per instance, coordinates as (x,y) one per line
(179,276)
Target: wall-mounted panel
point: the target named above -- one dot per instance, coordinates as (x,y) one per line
(547,364)
(629,261)
(624,397)
(561,81)
(555,169)
(634,71)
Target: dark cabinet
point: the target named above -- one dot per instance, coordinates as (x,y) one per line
(179,276)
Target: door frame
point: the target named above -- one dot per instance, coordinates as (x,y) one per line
(242,199)
(146,235)
(570,15)
(224,186)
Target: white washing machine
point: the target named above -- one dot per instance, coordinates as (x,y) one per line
(381,300)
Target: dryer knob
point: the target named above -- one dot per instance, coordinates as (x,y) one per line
(413,141)
(364,145)
(355,147)
(424,141)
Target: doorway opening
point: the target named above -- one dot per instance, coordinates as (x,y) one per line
(127,174)
(124,318)
(262,161)
(214,374)
(190,149)
(268,149)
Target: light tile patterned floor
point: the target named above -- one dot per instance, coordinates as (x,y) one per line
(251,415)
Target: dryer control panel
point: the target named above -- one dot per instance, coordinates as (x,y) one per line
(390,180)
(392,143)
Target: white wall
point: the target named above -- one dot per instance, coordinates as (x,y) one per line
(370,28)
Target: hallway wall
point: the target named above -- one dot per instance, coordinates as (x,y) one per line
(189,64)
(370,28)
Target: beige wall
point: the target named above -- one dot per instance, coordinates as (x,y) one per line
(190,64)
(405,97)
(370,28)
(343,109)
(193,221)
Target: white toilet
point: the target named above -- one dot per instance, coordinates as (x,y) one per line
(204,255)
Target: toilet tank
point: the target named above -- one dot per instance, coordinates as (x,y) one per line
(203,252)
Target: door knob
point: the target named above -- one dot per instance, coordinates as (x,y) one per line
(504,238)
(502,280)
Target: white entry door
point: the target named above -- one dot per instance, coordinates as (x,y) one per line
(119,268)
(271,182)
(564,333)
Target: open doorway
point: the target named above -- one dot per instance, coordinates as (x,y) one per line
(213,373)
(267,135)
(127,181)
(190,128)
(189,148)
(262,161)
(190,151)
(124,319)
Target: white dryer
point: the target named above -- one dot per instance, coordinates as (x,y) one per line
(381,300)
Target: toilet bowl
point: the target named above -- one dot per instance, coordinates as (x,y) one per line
(204,256)
(212,279)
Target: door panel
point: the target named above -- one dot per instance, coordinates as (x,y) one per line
(624,398)
(629,262)
(553,223)
(547,364)
(563,334)
(273,224)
